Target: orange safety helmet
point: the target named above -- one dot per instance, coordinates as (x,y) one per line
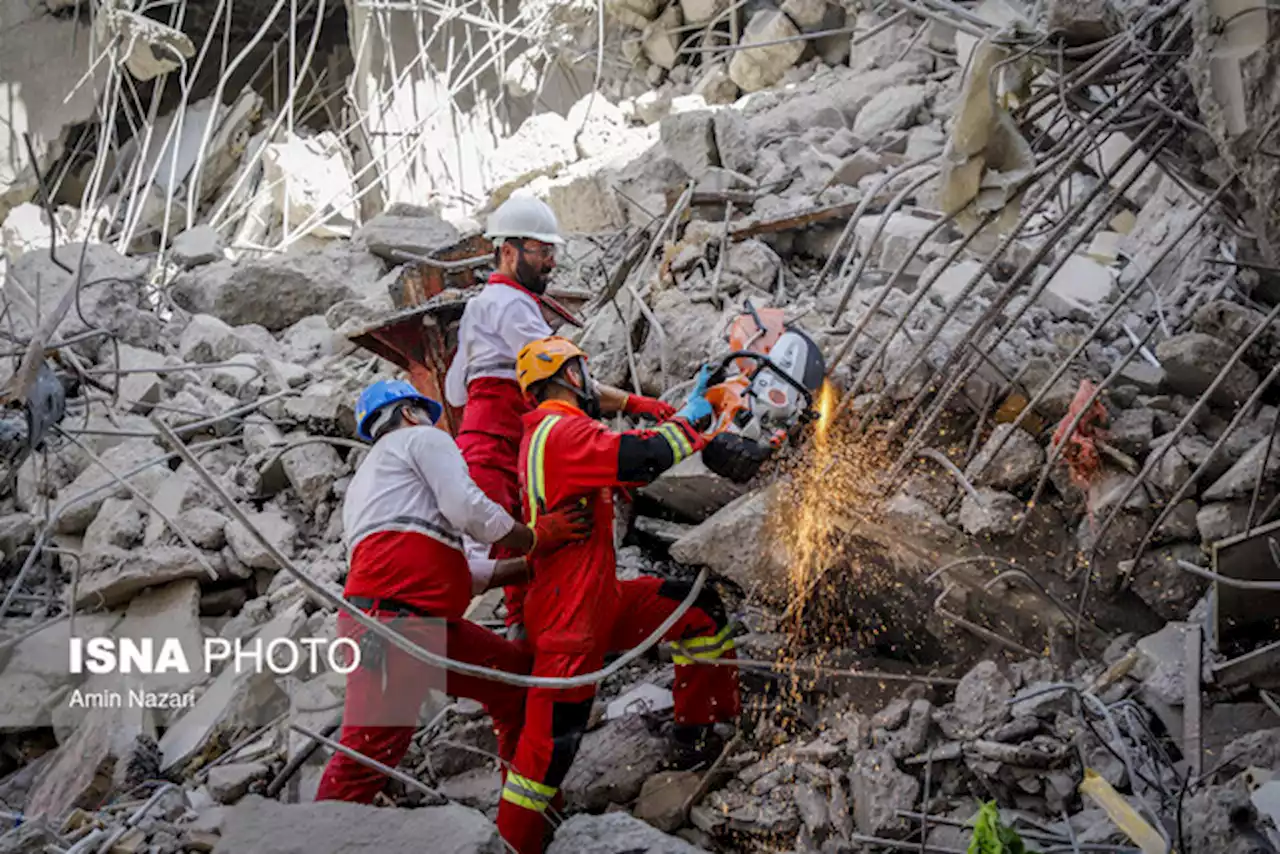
(542,359)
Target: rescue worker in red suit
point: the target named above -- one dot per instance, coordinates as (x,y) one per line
(576,611)
(404,515)
(505,316)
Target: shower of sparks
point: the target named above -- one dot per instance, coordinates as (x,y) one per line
(832,482)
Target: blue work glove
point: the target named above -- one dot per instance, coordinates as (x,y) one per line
(696,409)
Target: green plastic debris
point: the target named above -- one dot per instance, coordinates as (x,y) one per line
(992,837)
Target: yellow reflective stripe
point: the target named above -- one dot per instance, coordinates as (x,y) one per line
(681,447)
(535,473)
(531,785)
(523,801)
(694,656)
(711,640)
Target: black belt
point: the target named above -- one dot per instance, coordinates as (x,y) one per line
(366,604)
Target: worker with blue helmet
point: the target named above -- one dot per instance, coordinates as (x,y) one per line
(405,514)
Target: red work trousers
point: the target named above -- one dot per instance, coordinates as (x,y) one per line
(408,682)
(556,719)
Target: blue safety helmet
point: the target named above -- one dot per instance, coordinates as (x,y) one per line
(385,393)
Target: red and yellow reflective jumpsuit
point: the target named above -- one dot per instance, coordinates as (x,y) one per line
(576,611)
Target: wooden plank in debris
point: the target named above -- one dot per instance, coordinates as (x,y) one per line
(816,216)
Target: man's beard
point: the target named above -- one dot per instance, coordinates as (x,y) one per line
(531,277)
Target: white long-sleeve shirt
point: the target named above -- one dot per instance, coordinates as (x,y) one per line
(415,479)
(495,326)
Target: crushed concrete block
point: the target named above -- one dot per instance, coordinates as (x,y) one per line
(879,792)
(279,290)
(118,525)
(732,543)
(205,527)
(612,764)
(196,246)
(1018,460)
(1221,520)
(982,698)
(1232,323)
(324,408)
(1169,590)
(615,833)
(207,339)
(35,674)
(140,390)
(275,526)
(715,85)
(236,702)
(690,140)
(1193,360)
(692,490)
(312,470)
(1239,480)
(242,378)
(661,38)
(124,574)
(754,69)
(1147,378)
(996,515)
(229,783)
(314,183)
(894,242)
(1080,287)
(270,827)
(86,769)
(661,801)
(701,11)
(417,231)
(919,520)
(634,13)
(895,108)
(857,166)
(806,14)
(1181,525)
(1133,431)
(16,531)
(81,506)
(1083,21)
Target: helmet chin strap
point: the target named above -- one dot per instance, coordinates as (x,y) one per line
(587,397)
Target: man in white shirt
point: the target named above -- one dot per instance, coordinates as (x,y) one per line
(405,515)
(497,323)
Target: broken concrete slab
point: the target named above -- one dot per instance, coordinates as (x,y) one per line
(197,246)
(615,833)
(143,389)
(1169,590)
(275,526)
(1010,458)
(982,698)
(229,783)
(1079,288)
(690,140)
(331,827)
(612,764)
(121,575)
(662,798)
(1221,520)
(238,700)
(278,291)
(91,764)
(312,471)
(894,108)
(733,544)
(405,228)
(118,525)
(206,339)
(1193,360)
(35,675)
(754,69)
(80,506)
(879,792)
(1240,479)
(692,490)
(992,514)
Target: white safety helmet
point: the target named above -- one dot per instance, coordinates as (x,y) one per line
(524,217)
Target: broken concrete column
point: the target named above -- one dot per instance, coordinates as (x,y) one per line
(754,69)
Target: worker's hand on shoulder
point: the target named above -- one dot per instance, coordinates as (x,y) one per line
(638,404)
(566,524)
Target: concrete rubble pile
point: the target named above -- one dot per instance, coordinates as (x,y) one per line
(1060,366)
